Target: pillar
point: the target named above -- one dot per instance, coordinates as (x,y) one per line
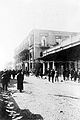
(53,66)
(48,65)
(26,66)
(43,67)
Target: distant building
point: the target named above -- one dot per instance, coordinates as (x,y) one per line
(41,45)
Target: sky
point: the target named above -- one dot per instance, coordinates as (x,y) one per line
(19,17)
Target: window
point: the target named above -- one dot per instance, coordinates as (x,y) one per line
(43,40)
(41,54)
(58,39)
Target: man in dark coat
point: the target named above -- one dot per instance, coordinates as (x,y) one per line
(56,76)
(41,74)
(75,75)
(72,73)
(5,80)
(20,78)
(13,73)
(53,73)
(49,74)
(67,72)
(64,74)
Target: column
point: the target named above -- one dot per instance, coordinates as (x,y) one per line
(26,66)
(53,66)
(62,73)
(43,67)
(48,65)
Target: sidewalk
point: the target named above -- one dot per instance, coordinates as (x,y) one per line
(53,101)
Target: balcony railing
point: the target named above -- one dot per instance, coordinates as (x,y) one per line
(44,46)
(70,42)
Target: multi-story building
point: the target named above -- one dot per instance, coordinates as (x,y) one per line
(36,46)
(21,55)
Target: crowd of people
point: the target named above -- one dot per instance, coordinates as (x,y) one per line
(53,75)
(7,75)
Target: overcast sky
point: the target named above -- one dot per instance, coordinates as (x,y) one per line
(19,17)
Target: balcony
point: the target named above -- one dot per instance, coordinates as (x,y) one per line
(44,47)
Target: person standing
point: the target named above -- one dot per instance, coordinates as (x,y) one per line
(13,74)
(64,74)
(20,78)
(49,74)
(41,74)
(56,76)
(5,80)
(79,77)
(75,75)
(67,74)
(53,73)
(72,74)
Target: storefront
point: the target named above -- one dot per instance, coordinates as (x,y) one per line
(63,58)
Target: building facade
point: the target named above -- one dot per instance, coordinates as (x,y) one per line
(63,56)
(43,46)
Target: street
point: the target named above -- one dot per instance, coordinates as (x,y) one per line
(53,101)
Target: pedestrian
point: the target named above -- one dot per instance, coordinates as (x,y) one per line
(79,76)
(13,73)
(67,74)
(64,74)
(5,81)
(49,74)
(20,78)
(9,75)
(52,74)
(75,75)
(41,74)
(56,76)
(72,74)
(1,72)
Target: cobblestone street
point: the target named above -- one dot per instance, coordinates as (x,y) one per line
(53,101)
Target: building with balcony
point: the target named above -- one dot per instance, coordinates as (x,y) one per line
(66,55)
(38,47)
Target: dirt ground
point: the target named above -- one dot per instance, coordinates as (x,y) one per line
(9,110)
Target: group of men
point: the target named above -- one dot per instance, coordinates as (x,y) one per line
(51,74)
(6,77)
(67,74)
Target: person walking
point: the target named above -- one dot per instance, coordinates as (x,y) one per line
(20,78)
(53,73)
